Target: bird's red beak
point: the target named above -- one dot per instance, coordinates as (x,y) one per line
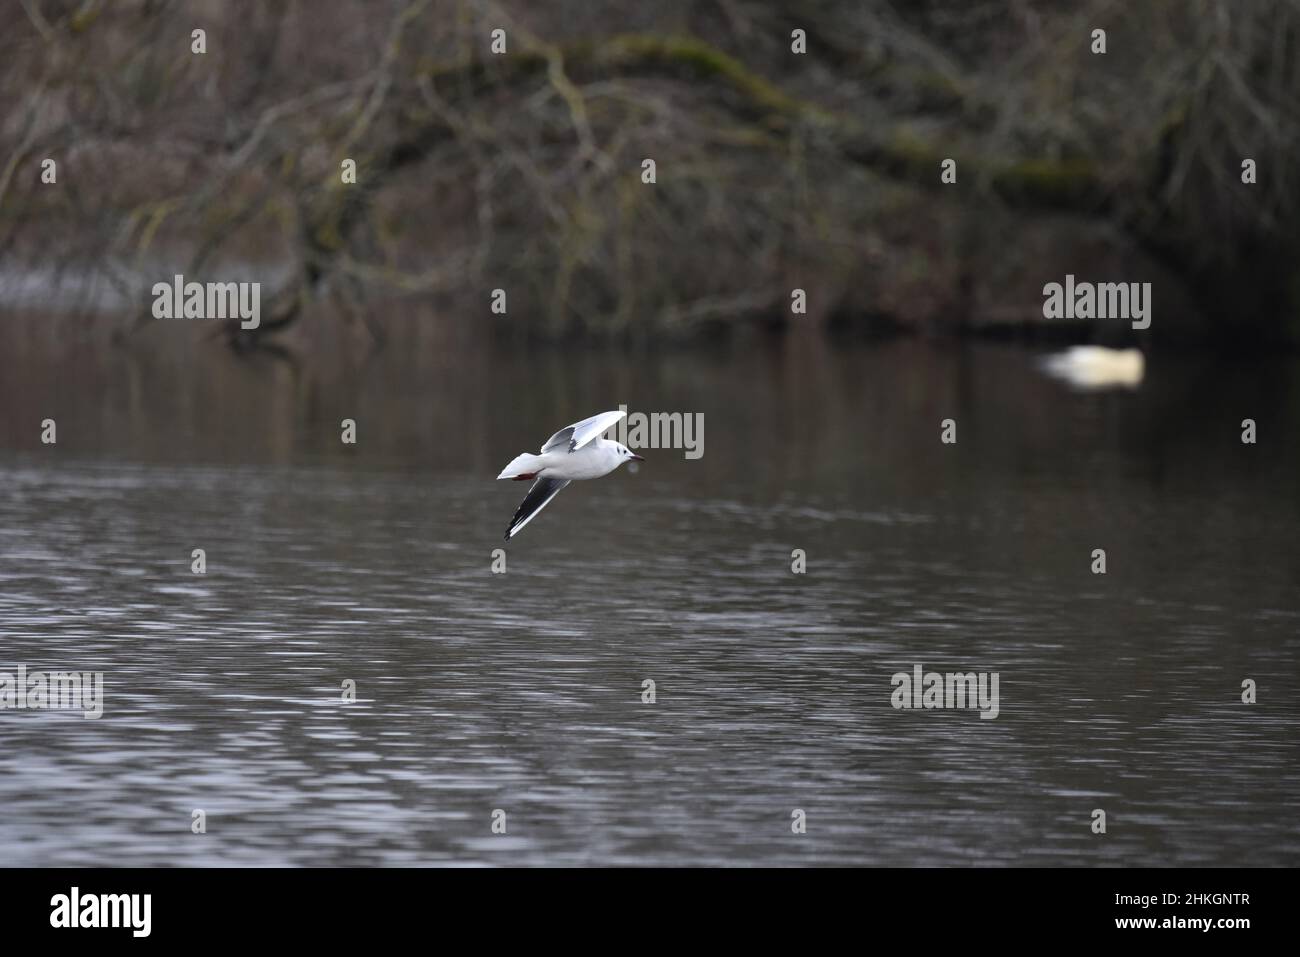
(637,458)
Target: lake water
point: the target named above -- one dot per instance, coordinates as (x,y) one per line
(523,691)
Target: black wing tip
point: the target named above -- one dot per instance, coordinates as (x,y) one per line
(543,490)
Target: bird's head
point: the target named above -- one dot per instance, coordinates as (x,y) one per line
(625,454)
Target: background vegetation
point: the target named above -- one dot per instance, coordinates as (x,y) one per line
(774,170)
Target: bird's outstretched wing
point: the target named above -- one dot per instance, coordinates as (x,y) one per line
(574,437)
(543,490)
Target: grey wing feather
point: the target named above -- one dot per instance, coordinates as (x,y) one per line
(573,437)
(561,439)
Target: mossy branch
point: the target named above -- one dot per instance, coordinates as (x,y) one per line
(1069,184)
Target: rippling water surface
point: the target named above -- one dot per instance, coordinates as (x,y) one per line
(523,691)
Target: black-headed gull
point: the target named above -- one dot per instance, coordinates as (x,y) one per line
(575,452)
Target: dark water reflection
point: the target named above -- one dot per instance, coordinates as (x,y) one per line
(522,691)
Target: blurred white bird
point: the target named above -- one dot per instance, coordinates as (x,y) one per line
(575,452)
(1097,367)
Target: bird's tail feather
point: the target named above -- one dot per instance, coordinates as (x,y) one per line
(520,465)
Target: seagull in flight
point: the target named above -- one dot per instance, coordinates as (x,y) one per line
(1097,367)
(575,452)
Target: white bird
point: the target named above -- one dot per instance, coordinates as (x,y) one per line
(575,452)
(1097,367)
